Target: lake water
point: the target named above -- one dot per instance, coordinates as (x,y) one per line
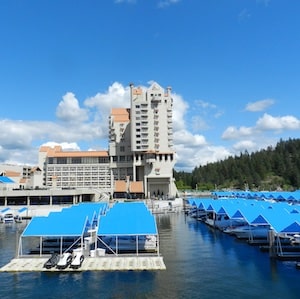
(201,263)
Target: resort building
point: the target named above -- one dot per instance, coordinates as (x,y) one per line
(75,169)
(22,176)
(141,144)
(152,140)
(138,163)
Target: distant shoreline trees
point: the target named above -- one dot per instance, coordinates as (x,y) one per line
(274,168)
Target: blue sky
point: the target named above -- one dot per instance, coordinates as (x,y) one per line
(233,66)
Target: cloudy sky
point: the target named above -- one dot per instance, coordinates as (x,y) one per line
(233,67)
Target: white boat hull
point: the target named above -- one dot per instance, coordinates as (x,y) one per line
(248,231)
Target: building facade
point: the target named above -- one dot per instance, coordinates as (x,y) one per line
(75,169)
(152,140)
(141,142)
(140,158)
(23,176)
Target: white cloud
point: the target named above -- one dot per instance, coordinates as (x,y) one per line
(20,140)
(248,145)
(198,123)
(116,96)
(279,123)
(68,109)
(235,133)
(265,123)
(73,146)
(180,108)
(207,109)
(205,105)
(190,157)
(211,154)
(184,137)
(259,105)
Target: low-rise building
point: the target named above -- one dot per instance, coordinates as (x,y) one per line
(75,169)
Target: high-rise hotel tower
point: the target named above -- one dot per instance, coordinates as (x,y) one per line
(141,142)
(140,158)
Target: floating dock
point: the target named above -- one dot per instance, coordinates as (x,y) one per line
(114,263)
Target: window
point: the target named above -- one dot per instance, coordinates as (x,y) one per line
(76,160)
(103,159)
(61,160)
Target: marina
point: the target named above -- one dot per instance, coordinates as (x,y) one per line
(273,225)
(90,237)
(201,262)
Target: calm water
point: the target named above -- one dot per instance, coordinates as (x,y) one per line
(201,263)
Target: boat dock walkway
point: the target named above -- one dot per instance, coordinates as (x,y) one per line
(115,263)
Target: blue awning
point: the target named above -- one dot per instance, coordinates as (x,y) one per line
(5,180)
(55,226)
(127,219)
(72,221)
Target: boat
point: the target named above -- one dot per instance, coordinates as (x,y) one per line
(295,240)
(8,218)
(223,221)
(249,231)
(52,261)
(64,261)
(130,243)
(77,260)
(55,245)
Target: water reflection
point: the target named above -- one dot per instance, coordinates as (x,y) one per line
(201,263)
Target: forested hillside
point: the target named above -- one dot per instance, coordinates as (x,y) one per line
(270,169)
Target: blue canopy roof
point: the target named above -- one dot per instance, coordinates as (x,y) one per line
(5,210)
(201,203)
(72,221)
(276,195)
(281,216)
(5,180)
(121,219)
(55,226)
(127,219)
